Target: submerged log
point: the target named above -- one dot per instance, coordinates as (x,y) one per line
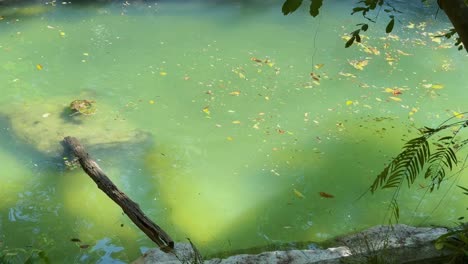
(132,209)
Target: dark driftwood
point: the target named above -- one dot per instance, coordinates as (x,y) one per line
(132,209)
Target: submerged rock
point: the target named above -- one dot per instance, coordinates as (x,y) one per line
(397,244)
(44,123)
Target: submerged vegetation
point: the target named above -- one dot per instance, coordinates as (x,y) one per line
(83,107)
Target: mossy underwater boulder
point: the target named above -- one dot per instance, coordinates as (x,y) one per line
(44,123)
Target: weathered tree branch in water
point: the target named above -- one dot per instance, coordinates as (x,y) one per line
(132,209)
(457,12)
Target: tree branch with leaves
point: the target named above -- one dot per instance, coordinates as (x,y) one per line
(456,10)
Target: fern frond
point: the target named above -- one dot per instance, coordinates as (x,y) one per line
(444,158)
(406,166)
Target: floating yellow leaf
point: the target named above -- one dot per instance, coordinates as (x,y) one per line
(393,37)
(403,53)
(413,111)
(39,66)
(235,93)
(349,102)
(390,60)
(358,64)
(62,33)
(437,86)
(458,115)
(436,39)
(346,74)
(395,98)
(298,194)
(229,138)
(318,66)
(206,110)
(151,101)
(236,122)
(370,50)
(163,73)
(394,91)
(241,75)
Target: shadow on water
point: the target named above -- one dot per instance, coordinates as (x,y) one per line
(281,221)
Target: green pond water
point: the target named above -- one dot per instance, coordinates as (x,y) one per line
(239,150)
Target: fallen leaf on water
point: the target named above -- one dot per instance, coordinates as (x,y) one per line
(229,138)
(390,60)
(358,64)
(395,98)
(298,194)
(62,33)
(236,93)
(437,86)
(241,75)
(395,91)
(370,50)
(349,102)
(413,111)
(206,110)
(345,74)
(393,37)
(256,60)
(163,73)
(315,76)
(151,101)
(318,66)
(75,240)
(436,39)
(39,67)
(236,122)
(458,115)
(403,53)
(46,115)
(326,195)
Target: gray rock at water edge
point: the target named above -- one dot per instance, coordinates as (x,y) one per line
(396,244)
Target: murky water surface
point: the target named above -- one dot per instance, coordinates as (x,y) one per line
(242,137)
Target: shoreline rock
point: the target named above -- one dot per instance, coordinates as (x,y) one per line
(394,244)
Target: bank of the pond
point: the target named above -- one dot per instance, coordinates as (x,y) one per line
(389,244)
